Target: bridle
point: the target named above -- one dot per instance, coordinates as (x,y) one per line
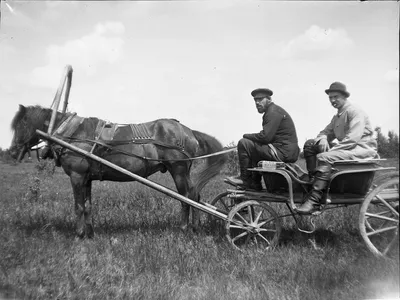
(25,145)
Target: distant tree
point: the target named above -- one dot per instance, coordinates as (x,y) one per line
(388,147)
(393,142)
(5,155)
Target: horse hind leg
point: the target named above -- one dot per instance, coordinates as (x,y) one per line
(88,209)
(183,184)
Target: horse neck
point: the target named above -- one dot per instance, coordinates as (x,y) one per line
(39,118)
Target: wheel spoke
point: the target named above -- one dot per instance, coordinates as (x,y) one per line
(381,230)
(266,221)
(239,236)
(241,217)
(258,217)
(250,212)
(393,241)
(381,217)
(247,240)
(266,230)
(387,204)
(264,238)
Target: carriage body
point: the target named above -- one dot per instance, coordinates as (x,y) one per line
(350,181)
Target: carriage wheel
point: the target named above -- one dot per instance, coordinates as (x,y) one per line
(253,223)
(379,219)
(223,204)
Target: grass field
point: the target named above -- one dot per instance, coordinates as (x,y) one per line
(139,253)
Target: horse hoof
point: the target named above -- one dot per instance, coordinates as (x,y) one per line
(183,228)
(80,234)
(194,229)
(89,231)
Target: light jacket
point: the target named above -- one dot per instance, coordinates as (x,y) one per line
(351,127)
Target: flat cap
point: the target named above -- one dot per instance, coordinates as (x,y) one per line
(262,92)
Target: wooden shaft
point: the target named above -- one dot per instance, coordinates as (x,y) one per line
(142,180)
(68,88)
(57,98)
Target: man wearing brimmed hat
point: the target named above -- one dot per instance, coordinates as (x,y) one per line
(277,141)
(353,131)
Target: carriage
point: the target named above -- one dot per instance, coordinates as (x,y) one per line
(358,182)
(248,215)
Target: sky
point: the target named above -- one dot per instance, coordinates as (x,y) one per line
(198,61)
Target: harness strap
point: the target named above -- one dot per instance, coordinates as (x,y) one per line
(141,142)
(139,131)
(99,130)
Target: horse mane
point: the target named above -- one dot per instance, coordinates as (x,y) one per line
(36,114)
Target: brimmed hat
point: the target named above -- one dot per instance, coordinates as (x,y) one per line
(338,87)
(261,92)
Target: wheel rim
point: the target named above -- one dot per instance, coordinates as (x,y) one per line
(253,224)
(379,219)
(223,204)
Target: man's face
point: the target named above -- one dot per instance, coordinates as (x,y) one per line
(261,103)
(337,99)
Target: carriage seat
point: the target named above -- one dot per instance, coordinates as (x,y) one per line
(348,176)
(275,182)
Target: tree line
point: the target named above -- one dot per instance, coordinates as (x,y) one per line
(388,146)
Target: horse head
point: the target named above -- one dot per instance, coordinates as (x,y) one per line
(24,125)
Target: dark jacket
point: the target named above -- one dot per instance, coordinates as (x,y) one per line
(278,130)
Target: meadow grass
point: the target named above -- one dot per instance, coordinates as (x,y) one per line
(139,252)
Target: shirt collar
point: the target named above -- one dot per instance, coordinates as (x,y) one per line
(343,109)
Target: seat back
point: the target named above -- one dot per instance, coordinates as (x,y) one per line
(355,176)
(353,183)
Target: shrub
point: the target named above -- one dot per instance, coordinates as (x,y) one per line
(232,164)
(46,167)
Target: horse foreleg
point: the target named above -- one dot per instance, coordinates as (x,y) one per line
(77,182)
(88,209)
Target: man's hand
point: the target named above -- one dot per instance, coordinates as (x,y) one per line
(323,145)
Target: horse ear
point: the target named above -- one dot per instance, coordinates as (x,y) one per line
(22,108)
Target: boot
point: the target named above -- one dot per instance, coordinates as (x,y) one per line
(244,180)
(311,162)
(312,202)
(310,157)
(255,183)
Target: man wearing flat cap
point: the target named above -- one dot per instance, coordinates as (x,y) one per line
(353,131)
(277,141)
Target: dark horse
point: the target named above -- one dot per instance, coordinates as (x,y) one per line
(160,145)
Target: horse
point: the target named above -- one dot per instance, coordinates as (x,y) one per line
(157,146)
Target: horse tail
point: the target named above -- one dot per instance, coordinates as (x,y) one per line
(213,164)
